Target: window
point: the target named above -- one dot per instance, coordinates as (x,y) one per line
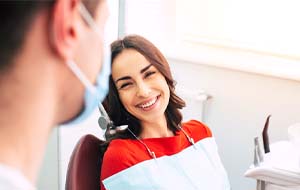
(261,36)
(264,26)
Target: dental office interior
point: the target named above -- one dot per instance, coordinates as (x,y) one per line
(235,63)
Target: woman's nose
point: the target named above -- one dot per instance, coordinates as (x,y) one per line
(143,90)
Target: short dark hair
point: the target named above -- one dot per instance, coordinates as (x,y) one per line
(118,114)
(15,20)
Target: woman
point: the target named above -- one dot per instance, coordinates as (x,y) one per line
(156,151)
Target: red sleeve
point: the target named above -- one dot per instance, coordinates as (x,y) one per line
(197,130)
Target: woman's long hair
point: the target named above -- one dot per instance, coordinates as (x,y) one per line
(113,105)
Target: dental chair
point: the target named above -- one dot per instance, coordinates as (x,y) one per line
(85,164)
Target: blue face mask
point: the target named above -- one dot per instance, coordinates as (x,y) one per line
(94,94)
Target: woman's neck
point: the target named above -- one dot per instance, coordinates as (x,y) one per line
(156,129)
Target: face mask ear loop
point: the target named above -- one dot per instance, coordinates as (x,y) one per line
(87,17)
(81,76)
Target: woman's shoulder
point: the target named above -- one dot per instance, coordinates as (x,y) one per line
(197,129)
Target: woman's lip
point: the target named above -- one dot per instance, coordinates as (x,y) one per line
(150,107)
(145,102)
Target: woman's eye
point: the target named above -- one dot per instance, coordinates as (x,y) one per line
(149,73)
(124,85)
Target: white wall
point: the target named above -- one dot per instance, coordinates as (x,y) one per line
(49,178)
(237,111)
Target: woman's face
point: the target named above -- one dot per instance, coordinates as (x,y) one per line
(142,89)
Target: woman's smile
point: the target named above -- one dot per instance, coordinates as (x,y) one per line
(149,104)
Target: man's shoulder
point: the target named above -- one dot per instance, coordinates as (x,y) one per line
(11,178)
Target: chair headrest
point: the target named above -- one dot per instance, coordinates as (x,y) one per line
(85,164)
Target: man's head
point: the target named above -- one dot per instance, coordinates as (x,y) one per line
(44,35)
(16,18)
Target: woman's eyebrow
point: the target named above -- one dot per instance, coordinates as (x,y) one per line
(128,77)
(145,69)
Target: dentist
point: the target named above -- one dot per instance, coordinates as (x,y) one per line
(51,73)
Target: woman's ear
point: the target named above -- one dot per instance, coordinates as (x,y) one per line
(64,27)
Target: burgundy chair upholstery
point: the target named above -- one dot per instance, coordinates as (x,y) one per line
(85,165)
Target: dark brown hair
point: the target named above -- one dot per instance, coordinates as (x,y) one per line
(116,111)
(16,18)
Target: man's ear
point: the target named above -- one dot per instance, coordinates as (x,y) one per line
(65,16)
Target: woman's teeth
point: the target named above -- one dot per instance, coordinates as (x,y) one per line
(148,104)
